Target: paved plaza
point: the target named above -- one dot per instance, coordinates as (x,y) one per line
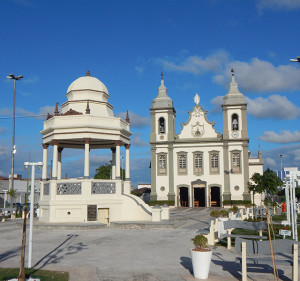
(128,254)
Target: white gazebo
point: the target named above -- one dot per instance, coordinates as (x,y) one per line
(87,122)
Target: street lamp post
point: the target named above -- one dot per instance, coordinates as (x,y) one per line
(40,165)
(13,147)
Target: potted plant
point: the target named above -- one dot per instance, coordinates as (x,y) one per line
(201,257)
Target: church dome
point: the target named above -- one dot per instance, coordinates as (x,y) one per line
(87,83)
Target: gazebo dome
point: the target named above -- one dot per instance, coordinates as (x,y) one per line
(87,83)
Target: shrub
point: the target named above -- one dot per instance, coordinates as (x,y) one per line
(215,213)
(223,213)
(162,202)
(200,242)
(236,202)
(234,209)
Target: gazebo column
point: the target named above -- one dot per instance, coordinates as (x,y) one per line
(55,156)
(127,163)
(44,171)
(113,163)
(60,149)
(87,158)
(118,158)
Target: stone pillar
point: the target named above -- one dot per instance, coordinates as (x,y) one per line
(113,163)
(60,149)
(44,172)
(87,158)
(55,154)
(118,158)
(127,163)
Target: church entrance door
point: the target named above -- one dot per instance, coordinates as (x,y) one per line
(184,196)
(215,199)
(199,193)
(199,197)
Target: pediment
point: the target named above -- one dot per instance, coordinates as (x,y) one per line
(197,126)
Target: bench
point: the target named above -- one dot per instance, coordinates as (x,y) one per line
(232,224)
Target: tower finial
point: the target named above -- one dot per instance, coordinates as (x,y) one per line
(232,71)
(56,112)
(88,73)
(127,117)
(162,75)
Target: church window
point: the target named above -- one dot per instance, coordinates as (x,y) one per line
(236,162)
(198,163)
(162,164)
(214,162)
(182,163)
(161,123)
(235,122)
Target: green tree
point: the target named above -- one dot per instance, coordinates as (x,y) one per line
(255,186)
(104,172)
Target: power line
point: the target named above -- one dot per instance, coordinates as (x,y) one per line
(27,116)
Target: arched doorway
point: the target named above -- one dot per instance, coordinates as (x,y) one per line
(199,197)
(184,196)
(215,198)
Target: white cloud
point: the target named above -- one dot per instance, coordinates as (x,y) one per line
(196,64)
(137,141)
(254,76)
(278,4)
(282,137)
(275,106)
(269,162)
(136,121)
(41,115)
(261,76)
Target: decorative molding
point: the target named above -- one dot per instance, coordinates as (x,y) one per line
(118,143)
(55,142)
(71,112)
(87,140)
(45,145)
(49,116)
(103,188)
(68,188)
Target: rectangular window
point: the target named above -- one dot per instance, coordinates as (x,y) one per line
(236,162)
(214,162)
(162,164)
(198,163)
(182,163)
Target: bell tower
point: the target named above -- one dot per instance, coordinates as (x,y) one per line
(235,137)
(161,140)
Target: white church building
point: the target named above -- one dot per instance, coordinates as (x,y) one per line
(200,167)
(86,122)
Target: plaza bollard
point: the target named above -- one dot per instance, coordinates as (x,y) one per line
(295,262)
(244,262)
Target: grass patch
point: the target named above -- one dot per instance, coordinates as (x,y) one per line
(44,275)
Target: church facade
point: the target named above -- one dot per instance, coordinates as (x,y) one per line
(200,167)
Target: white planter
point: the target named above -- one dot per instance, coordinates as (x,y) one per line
(201,263)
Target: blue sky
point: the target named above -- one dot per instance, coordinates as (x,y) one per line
(127,44)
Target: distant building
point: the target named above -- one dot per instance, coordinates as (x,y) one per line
(143,185)
(20,185)
(200,167)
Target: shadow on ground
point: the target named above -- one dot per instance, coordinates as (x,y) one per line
(61,251)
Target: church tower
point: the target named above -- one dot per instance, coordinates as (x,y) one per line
(235,137)
(161,140)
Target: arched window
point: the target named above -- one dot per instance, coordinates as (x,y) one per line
(161,124)
(235,122)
